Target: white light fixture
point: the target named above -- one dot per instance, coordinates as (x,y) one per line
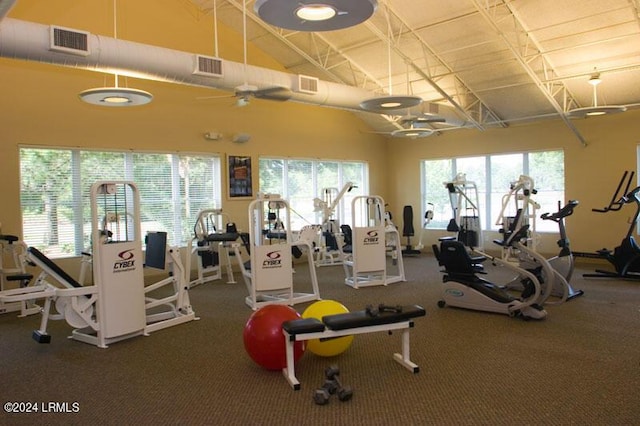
(596,109)
(384,104)
(315,15)
(115,96)
(412,133)
(315,12)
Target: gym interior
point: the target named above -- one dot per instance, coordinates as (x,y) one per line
(578,364)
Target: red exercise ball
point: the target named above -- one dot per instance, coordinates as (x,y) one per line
(263,338)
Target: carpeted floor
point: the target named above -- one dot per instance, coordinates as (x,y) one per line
(581,365)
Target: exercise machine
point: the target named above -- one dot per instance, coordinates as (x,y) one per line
(563,263)
(327,251)
(13,270)
(117,306)
(408,231)
(213,235)
(464,288)
(465,223)
(625,258)
(368,242)
(268,274)
(554,274)
(428,217)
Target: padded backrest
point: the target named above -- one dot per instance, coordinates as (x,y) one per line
(348,234)
(453,255)
(407,219)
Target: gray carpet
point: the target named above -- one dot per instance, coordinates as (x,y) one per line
(579,366)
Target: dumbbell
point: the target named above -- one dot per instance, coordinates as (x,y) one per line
(344,392)
(321,395)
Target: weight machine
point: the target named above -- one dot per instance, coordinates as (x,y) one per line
(14,250)
(268,274)
(368,243)
(463,195)
(118,306)
(328,252)
(214,234)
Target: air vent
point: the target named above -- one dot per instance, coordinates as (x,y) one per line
(208,66)
(66,40)
(307,84)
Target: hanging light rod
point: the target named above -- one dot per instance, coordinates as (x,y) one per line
(115,96)
(315,15)
(596,109)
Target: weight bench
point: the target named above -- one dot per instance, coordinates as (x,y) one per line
(347,324)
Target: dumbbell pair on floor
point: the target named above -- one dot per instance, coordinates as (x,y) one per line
(332,386)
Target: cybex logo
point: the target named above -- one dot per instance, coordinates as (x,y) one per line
(371,238)
(273,260)
(126,262)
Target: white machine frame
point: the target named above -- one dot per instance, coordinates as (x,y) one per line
(117,306)
(269,275)
(463,196)
(211,222)
(372,241)
(11,248)
(331,198)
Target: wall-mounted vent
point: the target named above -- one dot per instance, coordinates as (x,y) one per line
(66,40)
(208,66)
(307,84)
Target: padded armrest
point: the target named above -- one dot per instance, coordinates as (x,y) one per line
(364,319)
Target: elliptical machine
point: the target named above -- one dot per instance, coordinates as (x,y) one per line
(463,288)
(626,257)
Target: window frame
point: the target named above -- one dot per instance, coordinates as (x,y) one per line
(180,221)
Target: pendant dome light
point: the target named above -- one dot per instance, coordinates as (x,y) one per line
(315,15)
(596,109)
(115,96)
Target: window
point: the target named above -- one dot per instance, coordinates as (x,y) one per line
(493,175)
(55,184)
(299,181)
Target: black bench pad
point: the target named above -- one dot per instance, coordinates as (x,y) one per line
(365,319)
(351,320)
(44,259)
(303,326)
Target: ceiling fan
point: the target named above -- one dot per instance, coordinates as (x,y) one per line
(245,91)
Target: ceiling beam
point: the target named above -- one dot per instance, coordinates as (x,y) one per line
(551,88)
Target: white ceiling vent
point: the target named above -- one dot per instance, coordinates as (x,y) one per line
(307,84)
(208,66)
(66,40)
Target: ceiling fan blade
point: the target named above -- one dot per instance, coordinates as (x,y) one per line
(203,98)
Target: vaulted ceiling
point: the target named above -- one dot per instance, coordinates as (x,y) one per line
(491,62)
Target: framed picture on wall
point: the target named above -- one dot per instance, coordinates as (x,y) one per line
(239,180)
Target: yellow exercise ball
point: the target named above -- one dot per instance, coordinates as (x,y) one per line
(330,347)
